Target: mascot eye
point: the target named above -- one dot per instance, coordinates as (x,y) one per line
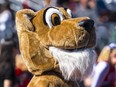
(55,19)
(52,17)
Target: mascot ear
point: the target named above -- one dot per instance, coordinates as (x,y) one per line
(23,20)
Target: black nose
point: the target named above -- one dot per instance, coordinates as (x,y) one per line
(87,24)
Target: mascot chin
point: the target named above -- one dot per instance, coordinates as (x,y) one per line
(56,48)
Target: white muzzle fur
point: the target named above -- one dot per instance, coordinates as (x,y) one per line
(77,64)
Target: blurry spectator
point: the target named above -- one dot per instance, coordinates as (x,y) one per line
(102,36)
(34,4)
(71,4)
(105,70)
(23,78)
(107,9)
(7,31)
(113,33)
(62,3)
(7,43)
(101,7)
(87,8)
(7,68)
(48,3)
(22,74)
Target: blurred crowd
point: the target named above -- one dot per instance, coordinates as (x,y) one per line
(13,72)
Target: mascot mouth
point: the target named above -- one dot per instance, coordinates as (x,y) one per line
(74,64)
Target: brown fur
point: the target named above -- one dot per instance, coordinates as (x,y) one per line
(35,38)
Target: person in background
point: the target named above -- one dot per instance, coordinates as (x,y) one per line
(7,45)
(7,67)
(6,21)
(105,70)
(48,3)
(87,8)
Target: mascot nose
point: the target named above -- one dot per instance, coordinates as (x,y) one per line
(87,24)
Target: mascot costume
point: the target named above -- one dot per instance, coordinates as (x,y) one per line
(57,49)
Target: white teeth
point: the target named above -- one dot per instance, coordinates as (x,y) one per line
(71,63)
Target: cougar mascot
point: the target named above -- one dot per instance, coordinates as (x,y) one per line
(57,49)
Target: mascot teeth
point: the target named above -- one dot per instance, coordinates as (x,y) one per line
(77,64)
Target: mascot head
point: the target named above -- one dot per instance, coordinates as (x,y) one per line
(51,39)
